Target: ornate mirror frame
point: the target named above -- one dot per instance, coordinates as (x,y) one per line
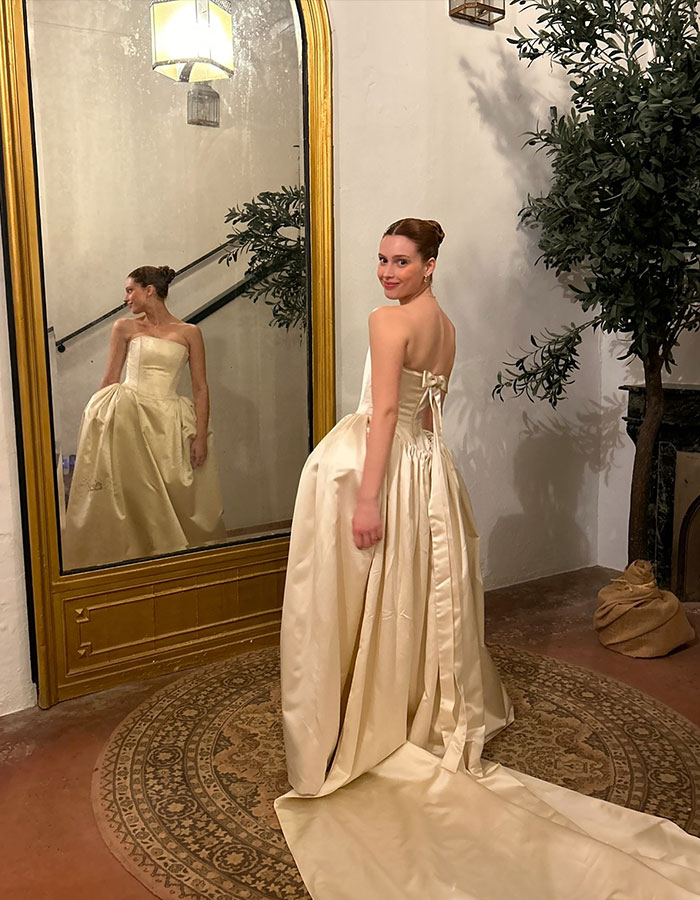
(96,629)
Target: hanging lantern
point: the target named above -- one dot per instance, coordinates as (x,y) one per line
(481,13)
(202,105)
(192,39)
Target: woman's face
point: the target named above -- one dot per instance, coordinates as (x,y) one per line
(136,297)
(401,269)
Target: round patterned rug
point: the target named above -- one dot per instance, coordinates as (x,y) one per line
(183,791)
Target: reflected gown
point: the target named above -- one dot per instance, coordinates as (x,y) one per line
(389,694)
(134,491)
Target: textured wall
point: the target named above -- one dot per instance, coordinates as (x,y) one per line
(16,688)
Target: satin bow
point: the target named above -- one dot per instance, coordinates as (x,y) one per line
(434,381)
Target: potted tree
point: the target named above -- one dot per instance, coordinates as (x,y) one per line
(622,213)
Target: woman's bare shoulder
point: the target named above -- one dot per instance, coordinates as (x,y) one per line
(192,334)
(383,312)
(125,327)
(386,317)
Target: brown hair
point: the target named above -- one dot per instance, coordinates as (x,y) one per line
(159,276)
(426,234)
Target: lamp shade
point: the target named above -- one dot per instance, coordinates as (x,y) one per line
(192,39)
(476,11)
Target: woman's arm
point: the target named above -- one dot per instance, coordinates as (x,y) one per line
(118,342)
(200,394)
(387,340)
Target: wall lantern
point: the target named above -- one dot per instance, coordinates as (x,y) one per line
(192,39)
(481,13)
(202,105)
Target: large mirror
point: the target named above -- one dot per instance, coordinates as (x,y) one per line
(138,164)
(136,168)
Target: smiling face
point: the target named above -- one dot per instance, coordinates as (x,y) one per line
(136,297)
(401,270)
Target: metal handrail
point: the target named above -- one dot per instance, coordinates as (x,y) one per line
(226,296)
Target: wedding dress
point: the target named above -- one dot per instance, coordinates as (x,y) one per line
(389,694)
(134,491)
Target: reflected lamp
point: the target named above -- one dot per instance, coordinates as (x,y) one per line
(192,39)
(481,13)
(202,105)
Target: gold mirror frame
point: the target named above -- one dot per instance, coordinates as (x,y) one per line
(228,598)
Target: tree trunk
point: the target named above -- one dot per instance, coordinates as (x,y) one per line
(638,539)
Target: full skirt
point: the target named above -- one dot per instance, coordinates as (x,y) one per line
(389,695)
(134,492)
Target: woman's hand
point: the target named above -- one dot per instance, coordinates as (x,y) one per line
(198,451)
(366,524)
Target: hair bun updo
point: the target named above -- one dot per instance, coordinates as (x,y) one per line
(159,276)
(167,273)
(426,234)
(438,230)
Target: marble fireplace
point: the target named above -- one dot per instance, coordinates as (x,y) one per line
(674,503)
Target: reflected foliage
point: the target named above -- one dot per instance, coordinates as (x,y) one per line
(271,229)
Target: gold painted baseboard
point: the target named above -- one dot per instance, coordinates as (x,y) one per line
(112,628)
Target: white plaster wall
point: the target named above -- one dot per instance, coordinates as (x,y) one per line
(443,105)
(16,688)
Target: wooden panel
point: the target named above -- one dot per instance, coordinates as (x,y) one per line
(261,593)
(175,660)
(115,630)
(214,605)
(175,614)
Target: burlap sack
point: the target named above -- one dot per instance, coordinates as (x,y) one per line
(636,618)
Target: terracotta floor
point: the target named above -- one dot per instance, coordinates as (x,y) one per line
(50,848)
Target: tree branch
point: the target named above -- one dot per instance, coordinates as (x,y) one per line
(544,372)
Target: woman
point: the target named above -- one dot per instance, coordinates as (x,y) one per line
(144,482)
(388,692)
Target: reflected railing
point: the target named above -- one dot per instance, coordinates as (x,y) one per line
(241,287)
(197,316)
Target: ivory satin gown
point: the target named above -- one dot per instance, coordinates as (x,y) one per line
(389,694)
(134,491)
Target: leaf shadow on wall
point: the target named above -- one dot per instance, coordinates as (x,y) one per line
(509,103)
(553,459)
(511,107)
(549,466)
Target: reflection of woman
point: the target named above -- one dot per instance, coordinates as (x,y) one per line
(388,691)
(145,482)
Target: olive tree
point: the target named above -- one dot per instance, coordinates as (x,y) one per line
(621,220)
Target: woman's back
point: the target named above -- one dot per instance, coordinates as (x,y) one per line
(431,343)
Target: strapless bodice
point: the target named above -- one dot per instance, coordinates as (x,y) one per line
(154,366)
(415,393)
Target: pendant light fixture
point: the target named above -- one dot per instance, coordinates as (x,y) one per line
(481,13)
(192,39)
